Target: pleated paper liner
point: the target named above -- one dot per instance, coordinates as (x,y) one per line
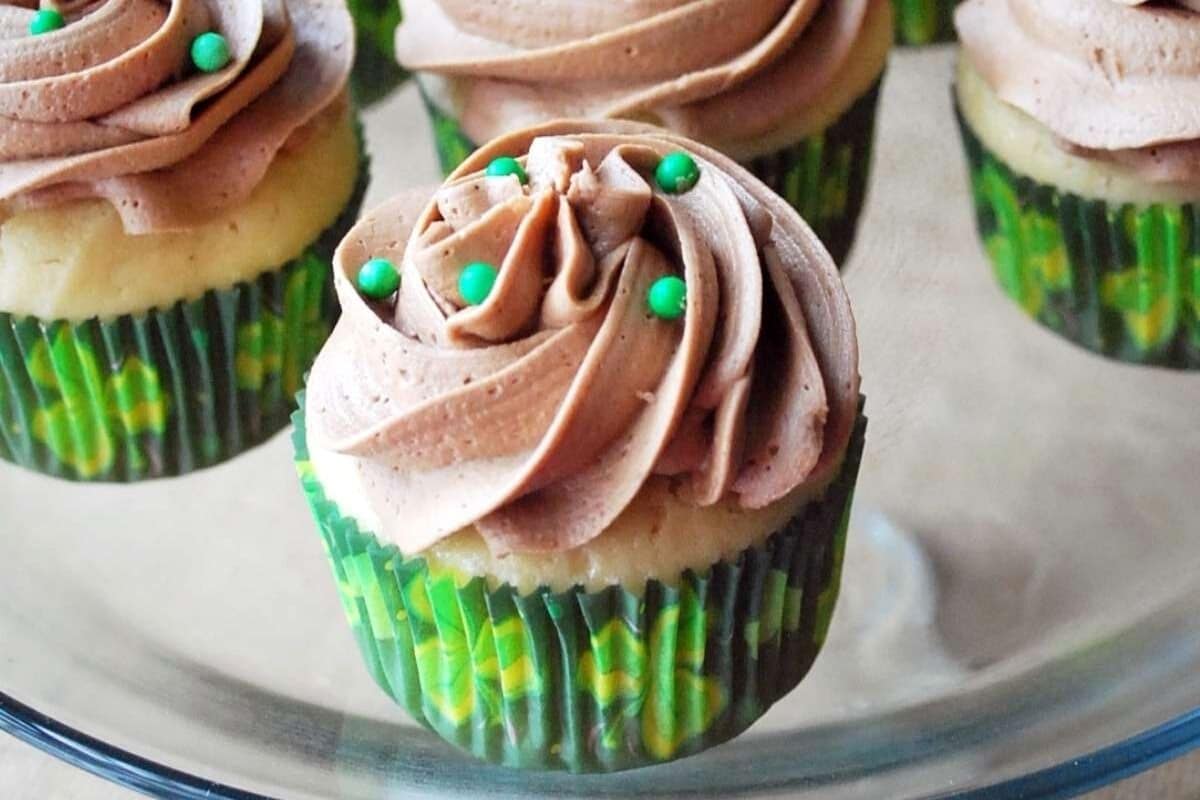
(1121,280)
(592,681)
(920,22)
(172,390)
(376,72)
(824,177)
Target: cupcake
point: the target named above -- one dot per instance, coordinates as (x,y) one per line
(376,72)
(583,445)
(924,21)
(163,256)
(1084,149)
(788,88)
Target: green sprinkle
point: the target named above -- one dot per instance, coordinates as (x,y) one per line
(210,52)
(46,20)
(677,173)
(378,279)
(476,282)
(667,297)
(506,165)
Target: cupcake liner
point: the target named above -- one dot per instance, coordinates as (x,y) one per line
(824,176)
(1122,280)
(169,391)
(920,22)
(591,681)
(376,72)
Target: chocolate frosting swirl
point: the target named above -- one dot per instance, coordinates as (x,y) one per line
(107,106)
(538,415)
(1112,79)
(700,67)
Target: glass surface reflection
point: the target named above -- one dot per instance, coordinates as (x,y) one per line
(1021,589)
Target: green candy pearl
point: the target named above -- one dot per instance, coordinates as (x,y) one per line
(476,282)
(667,297)
(677,173)
(210,52)
(378,279)
(45,21)
(506,165)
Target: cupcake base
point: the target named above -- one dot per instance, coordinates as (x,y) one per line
(824,176)
(592,681)
(173,390)
(921,22)
(1122,280)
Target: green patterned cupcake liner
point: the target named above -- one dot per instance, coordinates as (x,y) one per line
(920,22)
(592,681)
(824,177)
(1120,280)
(173,390)
(376,72)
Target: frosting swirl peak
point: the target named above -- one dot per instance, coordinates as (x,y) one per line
(538,414)
(108,105)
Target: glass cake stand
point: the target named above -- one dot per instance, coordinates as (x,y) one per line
(1021,592)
